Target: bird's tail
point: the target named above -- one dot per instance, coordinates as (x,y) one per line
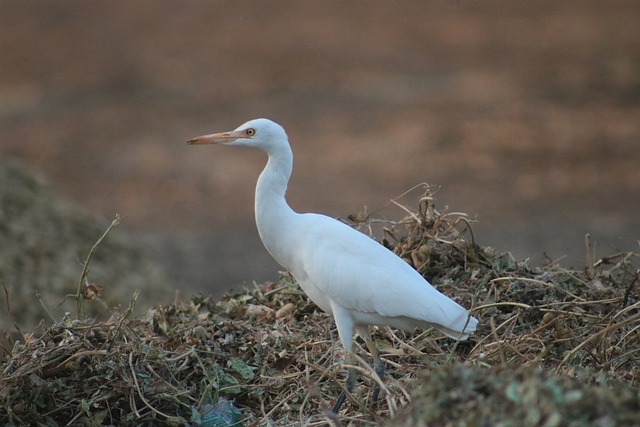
(460,328)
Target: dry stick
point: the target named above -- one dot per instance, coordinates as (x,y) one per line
(499,304)
(455,344)
(78,415)
(280,403)
(262,409)
(572,313)
(6,299)
(623,311)
(422,184)
(325,372)
(625,336)
(283,377)
(132,404)
(91,402)
(486,337)
(595,336)
(168,384)
(77,355)
(578,303)
(370,373)
(625,299)
(540,282)
(337,420)
(609,364)
(124,316)
(590,250)
(329,372)
(405,393)
(181,356)
(45,308)
(466,221)
(306,396)
(207,389)
(85,267)
(139,391)
(408,211)
(629,308)
(330,418)
(494,332)
(403,344)
(609,259)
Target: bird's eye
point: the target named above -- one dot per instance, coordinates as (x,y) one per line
(251,131)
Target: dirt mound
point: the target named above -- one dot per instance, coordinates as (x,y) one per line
(549,338)
(474,395)
(45,239)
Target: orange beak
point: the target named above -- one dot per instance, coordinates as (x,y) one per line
(216,138)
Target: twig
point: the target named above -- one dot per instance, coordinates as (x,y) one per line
(627,293)
(45,308)
(423,185)
(595,336)
(590,252)
(540,282)
(124,316)
(139,391)
(6,300)
(502,304)
(494,332)
(76,355)
(85,267)
(408,211)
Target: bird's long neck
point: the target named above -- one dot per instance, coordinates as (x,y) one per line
(273,214)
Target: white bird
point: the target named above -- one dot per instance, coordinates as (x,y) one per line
(345,273)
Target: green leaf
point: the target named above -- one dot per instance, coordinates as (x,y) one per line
(239,366)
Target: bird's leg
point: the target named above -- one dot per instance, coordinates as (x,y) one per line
(345,326)
(378,367)
(350,383)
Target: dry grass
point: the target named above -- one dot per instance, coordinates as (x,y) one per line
(277,357)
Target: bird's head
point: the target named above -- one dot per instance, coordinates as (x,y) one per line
(259,133)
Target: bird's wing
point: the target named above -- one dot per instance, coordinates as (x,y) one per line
(362,275)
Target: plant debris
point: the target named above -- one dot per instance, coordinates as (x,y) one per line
(473,396)
(548,338)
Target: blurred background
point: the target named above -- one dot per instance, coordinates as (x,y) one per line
(525,115)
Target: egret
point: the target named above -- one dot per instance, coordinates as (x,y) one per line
(346,273)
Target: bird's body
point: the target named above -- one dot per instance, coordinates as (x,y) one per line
(343,271)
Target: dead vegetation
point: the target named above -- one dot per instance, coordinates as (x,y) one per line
(554,346)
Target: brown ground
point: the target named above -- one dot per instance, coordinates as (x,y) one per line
(525,113)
